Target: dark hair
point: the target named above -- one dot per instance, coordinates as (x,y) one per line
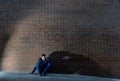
(43,55)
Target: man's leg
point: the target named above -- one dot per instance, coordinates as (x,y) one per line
(39,67)
(34,69)
(46,69)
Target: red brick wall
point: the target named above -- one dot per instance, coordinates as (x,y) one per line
(84,31)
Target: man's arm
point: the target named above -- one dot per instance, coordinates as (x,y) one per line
(38,62)
(48,60)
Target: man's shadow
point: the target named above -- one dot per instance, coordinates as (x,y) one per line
(64,62)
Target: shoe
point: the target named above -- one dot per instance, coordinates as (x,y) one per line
(40,74)
(31,73)
(43,74)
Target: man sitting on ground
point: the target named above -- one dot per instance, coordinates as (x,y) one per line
(42,65)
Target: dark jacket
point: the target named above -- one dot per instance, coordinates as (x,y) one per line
(41,62)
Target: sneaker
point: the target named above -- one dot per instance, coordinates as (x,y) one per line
(40,74)
(31,73)
(43,74)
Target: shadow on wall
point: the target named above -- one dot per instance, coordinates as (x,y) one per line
(3,40)
(68,63)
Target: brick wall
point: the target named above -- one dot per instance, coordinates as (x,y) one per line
(87,30)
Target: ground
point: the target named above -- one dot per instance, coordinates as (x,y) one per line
(23,76)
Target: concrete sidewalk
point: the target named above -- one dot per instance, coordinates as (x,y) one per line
(20,76)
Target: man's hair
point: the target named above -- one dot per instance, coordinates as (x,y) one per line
(43,55)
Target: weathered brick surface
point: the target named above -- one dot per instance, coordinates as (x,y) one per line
(81,27)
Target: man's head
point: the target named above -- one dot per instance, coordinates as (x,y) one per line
(43,56)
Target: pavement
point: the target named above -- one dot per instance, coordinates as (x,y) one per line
(23,76)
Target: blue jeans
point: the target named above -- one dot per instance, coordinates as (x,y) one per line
(42,69)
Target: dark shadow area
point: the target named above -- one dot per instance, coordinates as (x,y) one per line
(64,62)
(3,41)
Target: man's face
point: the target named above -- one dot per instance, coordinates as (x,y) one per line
(43,57)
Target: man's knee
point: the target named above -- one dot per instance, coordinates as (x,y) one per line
(48,65)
